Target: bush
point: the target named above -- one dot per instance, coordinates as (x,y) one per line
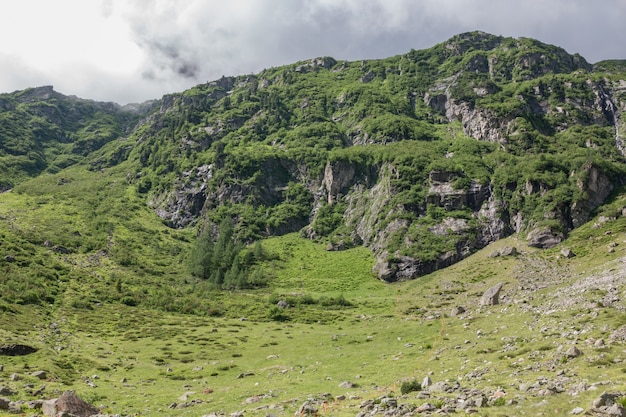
(410,386)
(276,313)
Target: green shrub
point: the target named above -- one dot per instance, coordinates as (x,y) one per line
(410,386)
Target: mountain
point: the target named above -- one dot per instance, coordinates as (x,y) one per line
(423,158)
(214,252)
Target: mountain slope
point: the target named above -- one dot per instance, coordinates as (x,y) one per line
(423,158)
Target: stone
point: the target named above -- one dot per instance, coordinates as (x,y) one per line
(567,253)
(616,410)
(4,403)
(40,374)
(15,377)
(605,400)
(6,391)
(347,384)
(573,352)
(544,238)
(427,382)
(492,295)
(426,407)
(457,311)
(9,258)
(282,304)
(70,403)
(577,410)
(508,251)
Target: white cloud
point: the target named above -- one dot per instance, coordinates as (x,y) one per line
(132,50)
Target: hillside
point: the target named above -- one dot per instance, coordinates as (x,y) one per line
(253,242)
(423,158)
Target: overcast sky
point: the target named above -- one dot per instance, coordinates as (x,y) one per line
(135,50)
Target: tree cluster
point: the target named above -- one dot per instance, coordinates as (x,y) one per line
(225,261)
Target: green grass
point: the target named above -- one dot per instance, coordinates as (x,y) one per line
(145,359)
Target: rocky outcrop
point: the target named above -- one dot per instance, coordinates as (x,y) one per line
(491,297)
(544,238)
(338,178)
(596,187)
(69,403)
(183,204)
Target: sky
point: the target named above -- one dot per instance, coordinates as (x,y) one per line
(130,51)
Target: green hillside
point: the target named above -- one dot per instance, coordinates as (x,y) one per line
(318,236)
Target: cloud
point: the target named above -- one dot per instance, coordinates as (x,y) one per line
(133,50)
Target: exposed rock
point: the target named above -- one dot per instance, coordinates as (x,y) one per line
(597,187)
(427,382)
(492,295)
(338,177)
(282,304)
(567,253)
(40,374)
(308,408)
(4,403)
(577,410)
(573,352)
(6,391)
(544,238)
(9,258)
(457,311)
(616,410)
(68,402)
(508,251)
(426,407)
(606,399)
(347,384)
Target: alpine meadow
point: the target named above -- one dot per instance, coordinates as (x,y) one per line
(441,232)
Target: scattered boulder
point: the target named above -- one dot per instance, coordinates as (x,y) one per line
(9,258)
(426,407)
(6,391)
(573,352)
(492,295)
(616,410)
(282,304)
(427,382)
(347,384)
(607,399)
(457,311)
(40,374)
(543,238)
(577,410)
(567,253)
(4,403)
(308,408)
(70,403)
(508,251)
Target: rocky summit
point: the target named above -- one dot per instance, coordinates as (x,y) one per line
(442,230)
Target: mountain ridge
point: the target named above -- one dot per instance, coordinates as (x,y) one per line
(304,147)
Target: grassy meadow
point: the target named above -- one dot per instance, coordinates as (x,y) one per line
(342,325)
